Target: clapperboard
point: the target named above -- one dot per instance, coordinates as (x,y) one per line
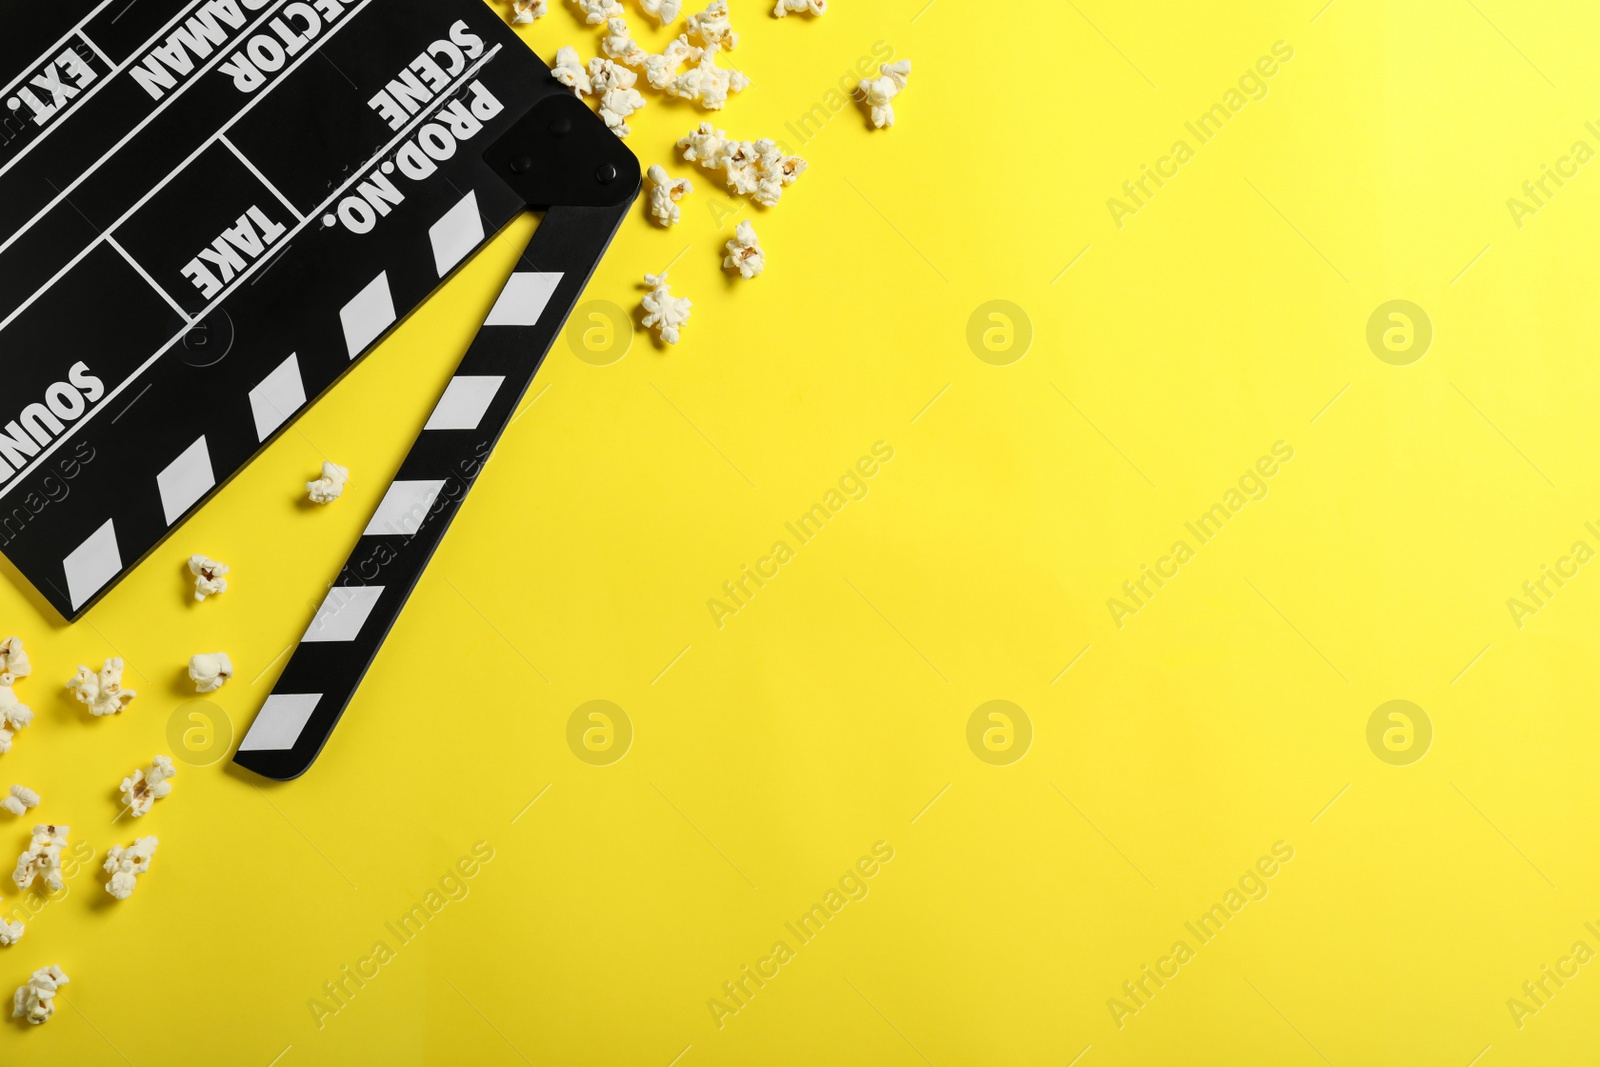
(209,209)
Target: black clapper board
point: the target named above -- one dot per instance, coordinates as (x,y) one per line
(209,209)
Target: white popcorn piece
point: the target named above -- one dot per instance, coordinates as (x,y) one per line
(665,192)
(326,489)
(745,253)
(41,860)
(148,785)
(607,74)
(801,7)
(707,84)
(11,933)
(209,670)
(757,169)
(664,313)
(20,799)
(662,70)
(617,105)
(878,93)
(663,11)
(618,44)
(102,692)
(208,576)
(14,715)
(595,12)
(35,1001)
(125,865)
(712,28)
(525,11)
(13,661)
(570,71)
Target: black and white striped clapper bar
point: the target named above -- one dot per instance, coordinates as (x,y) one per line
(563,160)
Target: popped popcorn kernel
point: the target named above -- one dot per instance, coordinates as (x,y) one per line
(525,11)
(102,692)
(595,12)
(13,661)
(11,933)
(19,800)
(569,70)
(35,1001)
(707,84)
(664,313)
(617,106)
(801,7)
(208,576)
(125,865)
(745,253)
(663,11)
(757,169)
(662,70)
(879,93)
(607,74)
(209,670)
(326,489)
(665,192)
(712,28)
(41,860)
(14,715)
(148,785)
(618,44)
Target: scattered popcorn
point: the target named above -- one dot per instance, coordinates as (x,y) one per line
(13,661)
(708,84)
(712,28)
(879,92)
(42,858)
(757,169)
(147,786)
(35,1001)
(664,312)
(10,933)
(665,192)
(524,11)
(208,576)
(21,799)
(662,70)
(327,488)
(744,252)
(813,7)
(619,44)
(209,670)
(570,71)
(617,105)
(103,692)
(125,865)
(595,12)
(663,11)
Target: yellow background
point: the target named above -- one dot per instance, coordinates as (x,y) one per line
(831,712)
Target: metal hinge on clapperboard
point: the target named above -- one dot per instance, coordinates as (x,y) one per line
(562,159)
(208,214)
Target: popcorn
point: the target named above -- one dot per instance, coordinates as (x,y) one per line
(711,26)
(13,661)
(663,11)
(619,44)
(664,312)
(21,799)
(744,252)
(35,1001)
(103,692)
(757,169)
(878,92)
(209,670)
(570,71)
(14,715)
(140,792)
(617,105)
(125,865)
(665,193)
(814,7)
(606,75)
(662,70)
(42,858)
(524,11)
(208,576)
(708,84)
(10,933)
(595,12)
(327,488)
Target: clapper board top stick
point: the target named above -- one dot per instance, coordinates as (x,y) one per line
(253,194)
